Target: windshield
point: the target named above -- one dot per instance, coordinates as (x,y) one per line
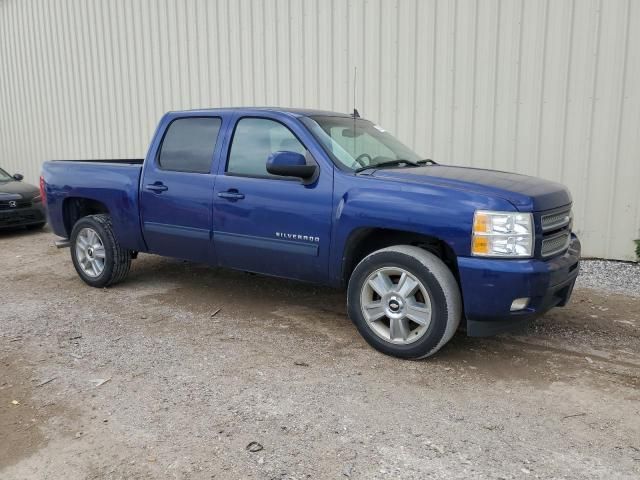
(4,176)
(356,143)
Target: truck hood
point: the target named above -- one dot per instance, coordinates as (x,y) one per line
(524,192)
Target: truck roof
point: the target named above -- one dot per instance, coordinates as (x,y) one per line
(296,112)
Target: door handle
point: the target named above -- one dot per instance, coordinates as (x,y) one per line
(231,195)
(157,187)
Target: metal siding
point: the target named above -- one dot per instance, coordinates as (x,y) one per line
(542,87)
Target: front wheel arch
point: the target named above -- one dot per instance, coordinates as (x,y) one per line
(366,240)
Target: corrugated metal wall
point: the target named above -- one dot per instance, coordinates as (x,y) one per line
(548,88)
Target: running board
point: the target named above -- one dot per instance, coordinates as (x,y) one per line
(64,243)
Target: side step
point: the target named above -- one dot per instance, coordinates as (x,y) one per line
(64,243)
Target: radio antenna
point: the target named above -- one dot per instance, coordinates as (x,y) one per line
(355,83)
(355,113)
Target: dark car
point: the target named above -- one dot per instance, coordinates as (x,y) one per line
(20,203)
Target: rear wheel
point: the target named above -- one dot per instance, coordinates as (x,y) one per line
(404,301)
(96,254)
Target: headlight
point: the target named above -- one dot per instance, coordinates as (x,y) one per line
(36,199)
(502,234)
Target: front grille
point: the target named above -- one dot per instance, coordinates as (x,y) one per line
(555,243)
(556,221)
(5,205)
(556,232)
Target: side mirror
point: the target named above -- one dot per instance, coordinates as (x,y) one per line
(290,164)
(18,177)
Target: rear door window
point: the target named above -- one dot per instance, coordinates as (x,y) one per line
(189,144)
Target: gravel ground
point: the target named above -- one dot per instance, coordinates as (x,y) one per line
(614,277)
(142,381)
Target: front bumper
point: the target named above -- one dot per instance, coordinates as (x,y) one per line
(18,217)
(489,286)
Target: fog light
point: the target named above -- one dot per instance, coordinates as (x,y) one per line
(519,304)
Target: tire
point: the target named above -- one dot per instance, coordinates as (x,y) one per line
(36,226)
(383,281)
(103,251)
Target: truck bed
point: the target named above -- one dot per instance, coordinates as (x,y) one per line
(112,183)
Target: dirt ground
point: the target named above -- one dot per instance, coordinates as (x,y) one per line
(141,381)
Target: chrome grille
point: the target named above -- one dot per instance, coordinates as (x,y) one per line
(555,244)
(554,221)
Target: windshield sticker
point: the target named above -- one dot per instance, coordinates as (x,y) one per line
(379,128)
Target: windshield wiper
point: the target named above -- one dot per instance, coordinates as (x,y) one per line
(427,161)
(389,163)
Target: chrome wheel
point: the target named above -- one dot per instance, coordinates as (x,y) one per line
(90,252)
(396,305)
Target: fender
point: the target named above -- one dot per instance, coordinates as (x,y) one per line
(365,202)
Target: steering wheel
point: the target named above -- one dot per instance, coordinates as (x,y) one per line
(361,157)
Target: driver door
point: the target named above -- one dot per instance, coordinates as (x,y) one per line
(269,224)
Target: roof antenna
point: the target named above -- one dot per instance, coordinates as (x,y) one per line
(355,113)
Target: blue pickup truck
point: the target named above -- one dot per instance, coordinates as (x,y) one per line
(332,199)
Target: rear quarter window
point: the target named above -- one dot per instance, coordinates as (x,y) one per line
(189,144)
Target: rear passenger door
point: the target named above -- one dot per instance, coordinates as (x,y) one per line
(177,190)
(265,223)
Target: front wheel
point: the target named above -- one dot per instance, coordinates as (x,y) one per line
(404,301)
(96,254)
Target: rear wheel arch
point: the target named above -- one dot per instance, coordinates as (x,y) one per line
(75,208)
